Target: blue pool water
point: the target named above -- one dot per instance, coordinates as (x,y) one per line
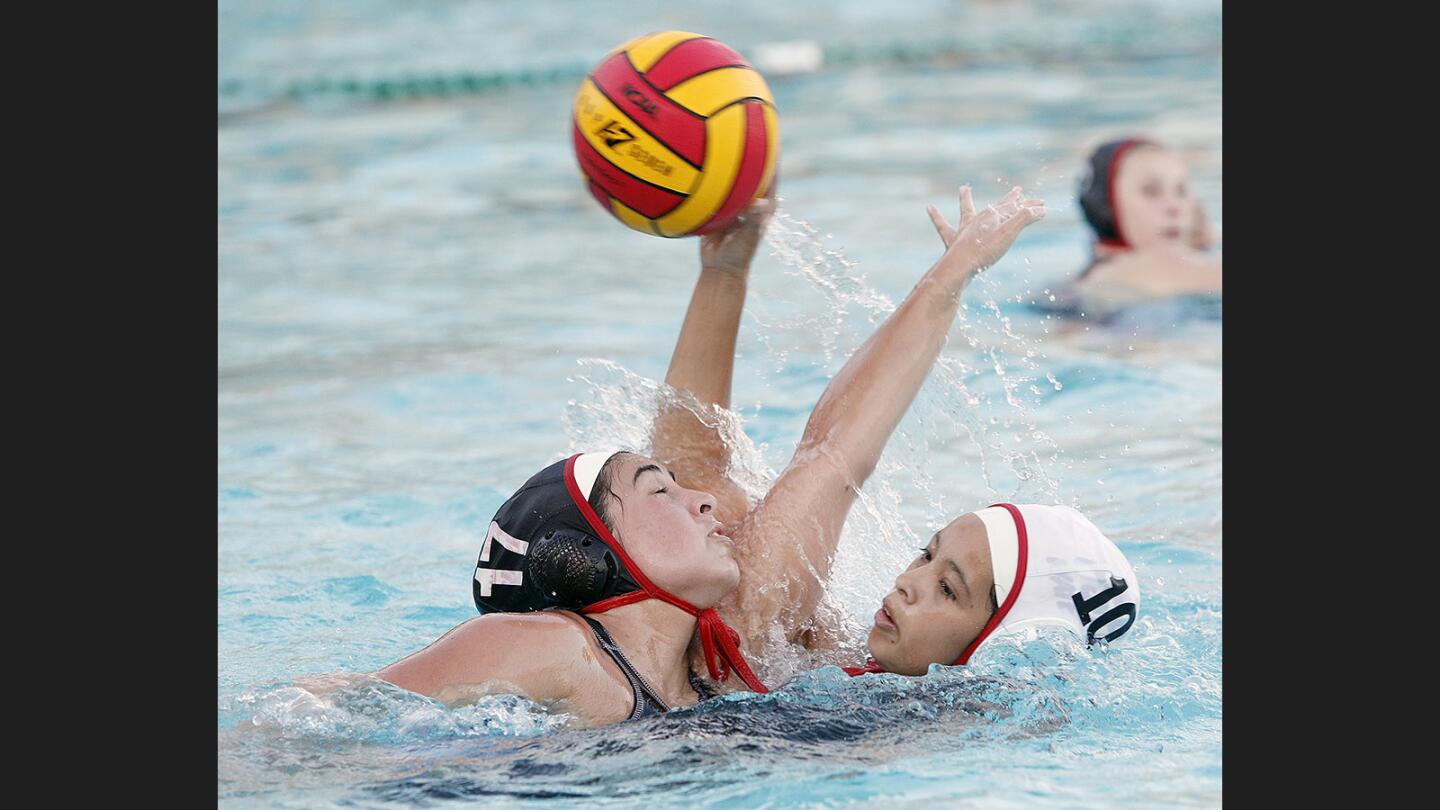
(419,305)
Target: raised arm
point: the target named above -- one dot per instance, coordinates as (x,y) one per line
(704,361)
(790,538)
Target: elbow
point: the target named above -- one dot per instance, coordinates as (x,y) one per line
(828,454)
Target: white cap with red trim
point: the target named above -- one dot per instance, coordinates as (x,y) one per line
(1053,567)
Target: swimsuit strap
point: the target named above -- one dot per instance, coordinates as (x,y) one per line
(643,693)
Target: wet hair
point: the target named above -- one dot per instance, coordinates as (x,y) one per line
(600,495)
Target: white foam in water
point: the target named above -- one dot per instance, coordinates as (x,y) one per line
(363,708)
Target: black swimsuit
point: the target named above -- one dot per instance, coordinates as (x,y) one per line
(647,703)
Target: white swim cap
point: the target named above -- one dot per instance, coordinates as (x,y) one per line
(1053,567)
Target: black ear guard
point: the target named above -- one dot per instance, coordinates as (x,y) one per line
(572,568)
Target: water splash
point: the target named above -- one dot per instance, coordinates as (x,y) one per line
(978,403)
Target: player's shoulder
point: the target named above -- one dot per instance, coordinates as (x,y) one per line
(542,636)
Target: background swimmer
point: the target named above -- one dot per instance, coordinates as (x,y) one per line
(1150,234)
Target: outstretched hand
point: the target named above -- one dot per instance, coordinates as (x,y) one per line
(981,239)
(731,249)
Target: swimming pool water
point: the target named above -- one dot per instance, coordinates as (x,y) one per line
(419,305)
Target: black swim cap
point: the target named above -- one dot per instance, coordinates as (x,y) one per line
(542,550)
(1097,190)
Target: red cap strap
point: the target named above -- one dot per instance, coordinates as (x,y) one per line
(713,630)
(1020,564)
(715,633)
(871,667)
(1110,172)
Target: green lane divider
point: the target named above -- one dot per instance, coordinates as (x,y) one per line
(1105,44)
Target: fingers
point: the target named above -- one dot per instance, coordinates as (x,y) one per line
(1004,209)
(758,211)
(967,205)
(1027,214)
(1008,204)
(1033,209)
(997,224)
(947,233)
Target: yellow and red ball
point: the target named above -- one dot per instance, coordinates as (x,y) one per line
(675,133)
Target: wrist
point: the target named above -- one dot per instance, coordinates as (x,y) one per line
(950,275)
(725,273)
(938,293)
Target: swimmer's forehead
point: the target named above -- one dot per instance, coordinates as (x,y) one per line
(1150,160)
(964,542)
(633,466)
(968,526)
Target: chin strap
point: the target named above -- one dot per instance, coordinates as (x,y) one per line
(715,633)
(720,641)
